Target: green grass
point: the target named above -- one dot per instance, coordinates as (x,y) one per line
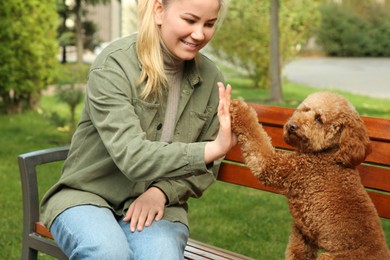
(252,222)
(19,134)
(248,221)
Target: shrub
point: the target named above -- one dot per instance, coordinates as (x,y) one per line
(27,51)
(347,32)
(70,90)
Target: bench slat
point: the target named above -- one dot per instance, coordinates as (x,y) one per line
(272,115)
(380,153)
(234,154)
(381,202)
(375,177)
(276,134)
(378,128)
(241,175)
(42,230)
(199,250)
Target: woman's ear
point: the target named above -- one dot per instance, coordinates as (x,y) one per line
(158,11)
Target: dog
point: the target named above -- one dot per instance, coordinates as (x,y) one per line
(332,215)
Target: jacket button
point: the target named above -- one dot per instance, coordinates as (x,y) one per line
(159,126)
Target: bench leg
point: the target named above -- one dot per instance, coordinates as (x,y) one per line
(29,253)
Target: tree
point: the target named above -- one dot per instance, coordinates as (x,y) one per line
(27,51)
(275,82)
(70,90)
(244,38)
(65,35)
(78,11)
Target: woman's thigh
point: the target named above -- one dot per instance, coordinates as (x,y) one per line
(90,232)
(162,240)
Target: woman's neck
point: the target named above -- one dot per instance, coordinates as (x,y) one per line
(172,64)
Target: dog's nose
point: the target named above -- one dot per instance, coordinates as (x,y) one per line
(291,128)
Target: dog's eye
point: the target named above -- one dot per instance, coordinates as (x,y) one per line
(318,118)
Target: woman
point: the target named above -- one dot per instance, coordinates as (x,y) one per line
(154,128)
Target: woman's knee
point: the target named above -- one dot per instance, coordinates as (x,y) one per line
(105,249)
(162,240)
(83,237)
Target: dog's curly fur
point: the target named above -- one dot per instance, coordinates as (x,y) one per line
(333,216)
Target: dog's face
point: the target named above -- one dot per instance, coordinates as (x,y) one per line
(316,124)
(327,121)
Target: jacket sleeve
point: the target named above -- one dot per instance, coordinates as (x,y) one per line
(179,190)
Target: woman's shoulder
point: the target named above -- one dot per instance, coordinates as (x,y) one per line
(123,43)
(118,48)
(205,60)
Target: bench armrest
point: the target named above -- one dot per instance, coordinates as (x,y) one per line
(27,167)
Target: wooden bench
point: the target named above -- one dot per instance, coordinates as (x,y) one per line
(375,174)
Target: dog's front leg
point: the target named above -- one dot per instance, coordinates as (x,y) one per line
(255,143)
(256,147)
(299,247)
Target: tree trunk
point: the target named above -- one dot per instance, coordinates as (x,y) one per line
(79,33)
(12,105)
(275,88)
(63,60)
(64,17)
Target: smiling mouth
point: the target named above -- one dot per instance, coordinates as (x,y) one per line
(190,44)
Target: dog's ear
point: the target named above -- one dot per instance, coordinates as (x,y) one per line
(354,143)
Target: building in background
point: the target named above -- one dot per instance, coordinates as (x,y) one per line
(129,17)
(115,19)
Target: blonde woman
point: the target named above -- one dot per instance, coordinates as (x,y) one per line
(154,128)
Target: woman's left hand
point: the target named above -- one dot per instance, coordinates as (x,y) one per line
(225,139)
(146,208)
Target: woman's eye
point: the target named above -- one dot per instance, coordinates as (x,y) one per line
(190,21)
(210,25)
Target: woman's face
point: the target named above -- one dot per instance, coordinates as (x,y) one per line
(186,25)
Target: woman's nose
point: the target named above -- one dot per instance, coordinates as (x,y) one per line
(198,33)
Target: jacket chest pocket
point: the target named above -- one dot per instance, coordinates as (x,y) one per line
(191,128)
(147,113)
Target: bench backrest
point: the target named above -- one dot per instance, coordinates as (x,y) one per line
(374,172)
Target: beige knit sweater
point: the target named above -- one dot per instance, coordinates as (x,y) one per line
(174,71)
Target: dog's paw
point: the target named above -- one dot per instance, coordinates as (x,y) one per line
(237,109)
(242,116)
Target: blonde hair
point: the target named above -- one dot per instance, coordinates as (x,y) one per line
(149,49)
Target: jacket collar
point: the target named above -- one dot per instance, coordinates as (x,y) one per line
(191,69)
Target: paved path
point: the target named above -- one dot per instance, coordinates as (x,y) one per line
(366,76)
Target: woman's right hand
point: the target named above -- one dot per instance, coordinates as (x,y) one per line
(145,209)
(225,139)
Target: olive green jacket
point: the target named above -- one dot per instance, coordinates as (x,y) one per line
(115,154)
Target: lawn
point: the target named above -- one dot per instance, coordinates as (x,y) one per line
(251,222)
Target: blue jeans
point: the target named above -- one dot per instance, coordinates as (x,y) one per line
(90,232)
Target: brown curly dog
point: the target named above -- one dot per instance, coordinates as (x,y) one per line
(332,214)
